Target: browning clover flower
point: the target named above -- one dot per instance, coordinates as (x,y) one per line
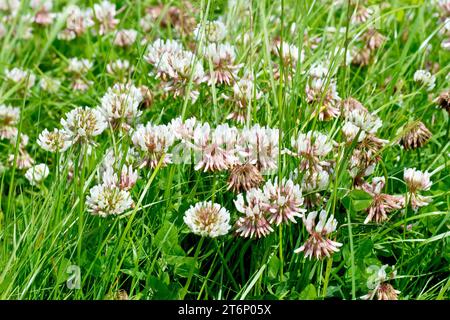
(181,18)
(381,204)
(443,101)
(415,135)
(244,177)
(319,245)
(208,219)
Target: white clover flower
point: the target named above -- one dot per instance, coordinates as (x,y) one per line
(49,84)
(289,53)
(120,104)
(208,219)
(254,222)
(312,143)
(176,67)
(416,181)
(425,78)
(147,22)
(319,70)
(120,68)
(381,203)
(79,66)
(319,245)
(214,31)
(105,200)
(104,14)
(111,172)
(36,174)
(260,146)
(23,159)
(444,6)
(185,64)
(322,92)
(244,92)
(316,180)
(128,177)
(284,201)
(153,141)
(311,148)
(160,48)
(125,37)
(222,58)
(43,15)
(54,141)
(80,84)
(82,124)
(46,5)
(183,130)
(78,21)
(215,148)
(21,76)
(359,119)
(9,118)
